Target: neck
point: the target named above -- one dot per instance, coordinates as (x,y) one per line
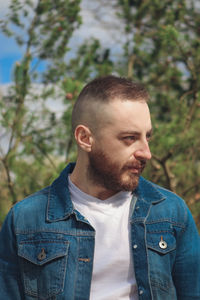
(79,177)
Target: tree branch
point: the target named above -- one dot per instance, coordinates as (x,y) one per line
(169,176)
(9,182)
(191,113)
(195,185)
(47,156)
(130,65)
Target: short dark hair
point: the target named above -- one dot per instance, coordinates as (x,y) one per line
(104,90)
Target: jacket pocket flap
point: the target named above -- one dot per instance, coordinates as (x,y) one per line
(161,242)
(39,252)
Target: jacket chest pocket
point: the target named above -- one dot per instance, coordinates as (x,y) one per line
(161,246)
(161,242)
(43,266)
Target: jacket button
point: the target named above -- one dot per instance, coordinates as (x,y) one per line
(162,243)
(42,255)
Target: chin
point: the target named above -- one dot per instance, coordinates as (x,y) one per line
(131,184)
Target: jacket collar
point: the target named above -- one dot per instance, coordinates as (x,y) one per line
(60,206)
(149,192)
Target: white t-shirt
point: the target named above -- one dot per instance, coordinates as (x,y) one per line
(113,272)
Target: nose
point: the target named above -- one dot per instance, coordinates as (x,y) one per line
(143,152)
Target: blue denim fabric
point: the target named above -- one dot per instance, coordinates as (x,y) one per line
(47,247)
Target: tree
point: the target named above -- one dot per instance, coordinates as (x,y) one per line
(43,29)
(35,140)
(163,51)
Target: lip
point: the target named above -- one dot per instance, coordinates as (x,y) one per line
(135,170)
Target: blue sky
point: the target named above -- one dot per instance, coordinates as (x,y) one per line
(106,28)
(9,54)
(8,51)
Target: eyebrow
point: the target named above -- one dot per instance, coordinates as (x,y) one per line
(150,132)
(130,132)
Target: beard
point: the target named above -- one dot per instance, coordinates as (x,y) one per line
(110,175)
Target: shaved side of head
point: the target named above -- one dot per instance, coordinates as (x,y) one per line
(91,107)
(89,113)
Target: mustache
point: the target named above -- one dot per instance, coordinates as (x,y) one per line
(136,165)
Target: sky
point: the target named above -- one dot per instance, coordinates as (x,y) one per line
(103,28)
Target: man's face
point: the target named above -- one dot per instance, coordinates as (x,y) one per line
(120,150)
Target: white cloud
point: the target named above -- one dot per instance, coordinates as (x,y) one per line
(99,21)
(4,6)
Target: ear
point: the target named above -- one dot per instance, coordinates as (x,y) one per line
(83,137)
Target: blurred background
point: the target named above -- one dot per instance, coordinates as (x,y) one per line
(50,49)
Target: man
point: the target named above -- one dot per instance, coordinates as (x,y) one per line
(101,231)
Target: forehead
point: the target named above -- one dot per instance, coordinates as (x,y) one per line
(127,115)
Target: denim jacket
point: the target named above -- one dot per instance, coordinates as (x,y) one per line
(47,247)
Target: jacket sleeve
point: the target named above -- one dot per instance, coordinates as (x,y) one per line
(186,273)
(10,281)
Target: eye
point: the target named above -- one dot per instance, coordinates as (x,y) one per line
(148,136)
(129,139)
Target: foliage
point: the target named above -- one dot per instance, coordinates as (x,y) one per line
(163,51)
(35,116)
(91,61)
(28,126)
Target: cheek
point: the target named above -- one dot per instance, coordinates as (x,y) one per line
(116,151)
(120,157)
